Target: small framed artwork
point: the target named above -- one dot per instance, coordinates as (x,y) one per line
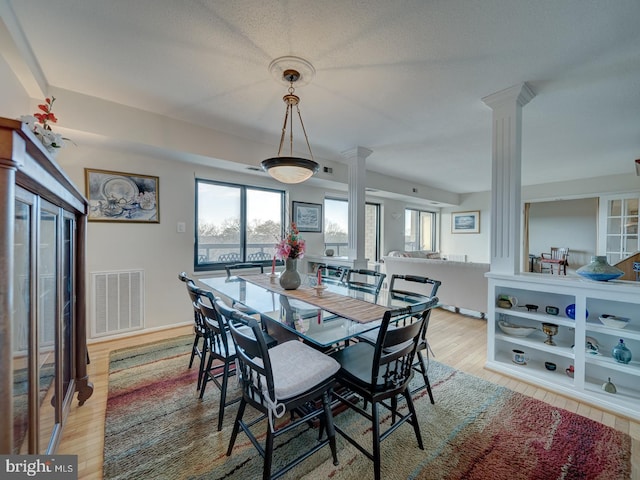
(465,222)
(122,197)
(307,216)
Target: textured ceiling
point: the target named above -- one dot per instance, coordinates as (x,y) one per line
(403,78)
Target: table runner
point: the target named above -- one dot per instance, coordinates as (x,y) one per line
(354,309)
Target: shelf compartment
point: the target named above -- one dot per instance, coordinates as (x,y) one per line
(537,316)
(535,368)
(625,397)
(631,368)
(628,332)
(534,346)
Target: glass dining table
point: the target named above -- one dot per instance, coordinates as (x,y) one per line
(286,317)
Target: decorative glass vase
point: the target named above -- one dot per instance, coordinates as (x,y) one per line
(621,353)
(599,270)
(290,278)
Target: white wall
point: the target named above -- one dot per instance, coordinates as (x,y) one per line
(15,101)
(475,245)
(565,223)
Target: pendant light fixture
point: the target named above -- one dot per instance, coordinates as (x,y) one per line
(289,168)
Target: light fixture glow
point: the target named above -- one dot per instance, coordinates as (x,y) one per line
(291,169)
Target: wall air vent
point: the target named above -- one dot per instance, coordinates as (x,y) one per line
(117,300)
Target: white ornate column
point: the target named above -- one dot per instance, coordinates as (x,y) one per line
(356,158)
(506,176)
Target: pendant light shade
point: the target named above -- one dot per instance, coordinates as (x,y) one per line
(291,169)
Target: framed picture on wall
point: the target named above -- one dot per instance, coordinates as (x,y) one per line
(307,216)
(465,222)
(122,197)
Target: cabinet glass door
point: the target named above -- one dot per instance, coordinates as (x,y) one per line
(20,324)
(68,299)
(47,322)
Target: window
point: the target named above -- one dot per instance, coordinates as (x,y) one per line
(619,227)
(236,223)
(336,227)
(419,230)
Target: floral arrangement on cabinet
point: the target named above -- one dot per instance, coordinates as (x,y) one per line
(40,124)
(291,246)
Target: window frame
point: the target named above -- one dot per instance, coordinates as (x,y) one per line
(434,218)
(378,234)
(217,266)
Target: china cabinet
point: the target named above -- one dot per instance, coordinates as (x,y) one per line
(582,354)
(42,294)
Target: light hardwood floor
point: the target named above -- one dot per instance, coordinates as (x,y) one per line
(457,340)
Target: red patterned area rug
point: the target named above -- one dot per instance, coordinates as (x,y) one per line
(157,428)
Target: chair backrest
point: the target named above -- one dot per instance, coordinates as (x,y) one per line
(195,294)
(396,347)
(559,253)
(254,362)
(362,279)
(215,324)
(243,266)
(182,276)
(332,273)
(435,284)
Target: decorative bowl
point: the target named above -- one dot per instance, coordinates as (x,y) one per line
(613,321)
(599,270)
(516,330)
(550,366)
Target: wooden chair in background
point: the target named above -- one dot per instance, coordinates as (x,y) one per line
(557,257)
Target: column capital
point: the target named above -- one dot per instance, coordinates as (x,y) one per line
(357,153)
(521,93)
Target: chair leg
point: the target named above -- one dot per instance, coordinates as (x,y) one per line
(203,363)
(223,395)
(236,426)
(205,375)
(268,455)
(423,370)
(196,340)
(414,418)
(331,432)
(375,441)
(394,409)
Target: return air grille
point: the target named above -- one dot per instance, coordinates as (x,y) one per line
(118,302)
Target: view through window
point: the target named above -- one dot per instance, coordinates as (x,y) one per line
(336,228)
(236,223)
(419,230)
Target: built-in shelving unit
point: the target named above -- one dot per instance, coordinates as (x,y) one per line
(591,369)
